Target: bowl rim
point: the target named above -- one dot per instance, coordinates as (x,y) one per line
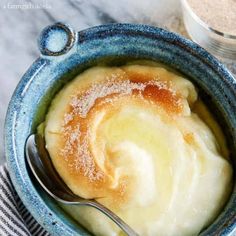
(11,149)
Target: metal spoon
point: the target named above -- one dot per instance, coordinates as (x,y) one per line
(44,171)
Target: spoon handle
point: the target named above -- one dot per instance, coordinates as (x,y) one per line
(40,163)
(112,216)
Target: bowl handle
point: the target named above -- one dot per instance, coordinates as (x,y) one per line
(56,39)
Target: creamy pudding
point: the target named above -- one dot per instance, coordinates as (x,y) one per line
(139,140)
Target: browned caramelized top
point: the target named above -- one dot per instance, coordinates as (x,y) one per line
(105,95)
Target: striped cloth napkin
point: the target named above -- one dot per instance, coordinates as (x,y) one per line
(15,219)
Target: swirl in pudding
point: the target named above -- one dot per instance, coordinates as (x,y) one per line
(134,139)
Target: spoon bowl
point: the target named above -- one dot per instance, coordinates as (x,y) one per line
(42,168)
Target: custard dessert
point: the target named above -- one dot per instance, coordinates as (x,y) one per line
(137,139)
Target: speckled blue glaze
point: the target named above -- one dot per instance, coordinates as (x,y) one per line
(56,39)
(108,44)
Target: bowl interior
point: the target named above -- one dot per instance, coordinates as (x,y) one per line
(126,43)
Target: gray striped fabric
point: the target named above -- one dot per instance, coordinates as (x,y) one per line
(15,220)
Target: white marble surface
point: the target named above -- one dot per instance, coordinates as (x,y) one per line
(22,20)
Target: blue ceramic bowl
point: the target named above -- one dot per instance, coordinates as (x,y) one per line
(64,54)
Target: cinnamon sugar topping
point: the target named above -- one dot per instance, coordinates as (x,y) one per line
(76,127)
